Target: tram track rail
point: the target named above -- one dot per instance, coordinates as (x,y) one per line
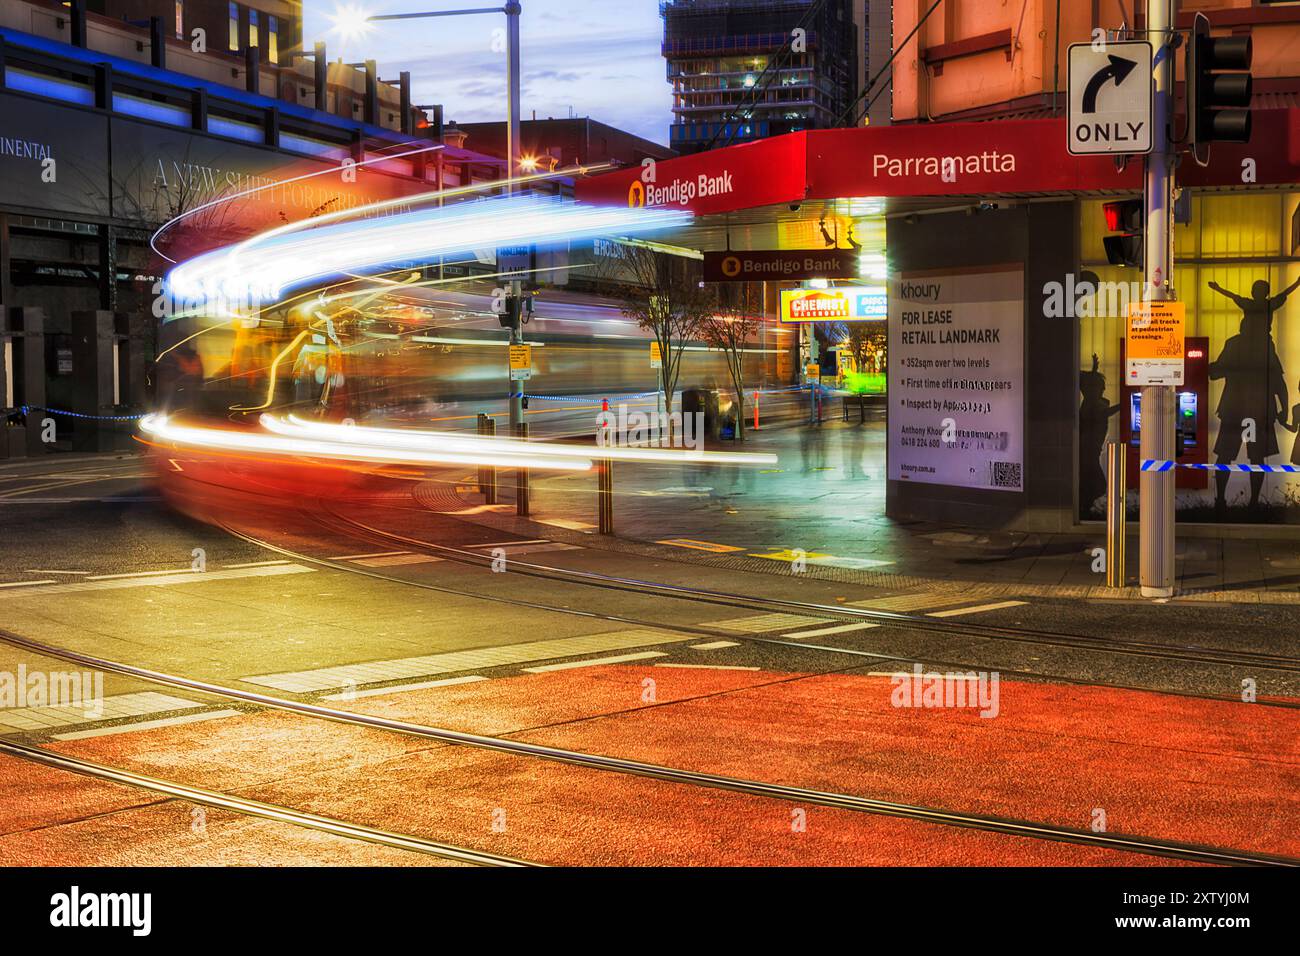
(375,535)
(1187,653)
(1149,846)
(257,808)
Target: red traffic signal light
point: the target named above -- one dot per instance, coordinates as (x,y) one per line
(1124,216)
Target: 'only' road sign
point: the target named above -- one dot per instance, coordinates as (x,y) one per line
(1110,98)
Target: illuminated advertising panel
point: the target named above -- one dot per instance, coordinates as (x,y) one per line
(845,304)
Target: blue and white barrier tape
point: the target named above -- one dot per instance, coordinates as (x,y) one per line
(99,418)
(1152,464)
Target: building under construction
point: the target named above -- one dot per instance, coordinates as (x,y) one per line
(740,71)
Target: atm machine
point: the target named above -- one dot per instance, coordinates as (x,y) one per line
(1193,437)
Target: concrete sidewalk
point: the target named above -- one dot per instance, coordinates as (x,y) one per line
(825,501)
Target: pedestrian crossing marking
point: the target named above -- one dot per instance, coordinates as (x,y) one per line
(395,560)
(594,662)
(924,601)
(979,609)
(694,545)
(377,672)
(761,623)
(826,631)
(823,560)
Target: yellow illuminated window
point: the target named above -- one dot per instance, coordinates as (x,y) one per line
(233,41)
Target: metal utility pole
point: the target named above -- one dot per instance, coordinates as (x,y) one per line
(512,9)
(1156,491)
(513,156)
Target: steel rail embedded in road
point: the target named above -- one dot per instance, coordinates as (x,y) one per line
(256,808)
(478,560)
(1149,846)
(1189,653)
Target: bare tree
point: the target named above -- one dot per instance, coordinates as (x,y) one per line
(664,294)
(729,329)
(858,343)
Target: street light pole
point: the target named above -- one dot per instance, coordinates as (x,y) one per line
(512,10)
(1156,488)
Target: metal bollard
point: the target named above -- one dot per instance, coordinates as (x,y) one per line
(490,472)
(482,472)
(1116,514)
(605,495)
(521,477)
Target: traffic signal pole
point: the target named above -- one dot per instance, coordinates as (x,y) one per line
(1156,489)
(514,154)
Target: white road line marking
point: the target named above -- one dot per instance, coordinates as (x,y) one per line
(513,549)
(164,580)
(46,571)
(507,544)
(358,557)
(714,645)
(114,707)
(395,560)
(374,672)
(710,667)
(911,602)
(977,609)
(140,574)
(767,622)
(565,523)
(256,564)
(403,688)
(823,631)
(573,665)
(23,584)
(147,725)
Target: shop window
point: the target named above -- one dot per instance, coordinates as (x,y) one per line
(1255,364)
(273,39)
(252,28)
(233,38)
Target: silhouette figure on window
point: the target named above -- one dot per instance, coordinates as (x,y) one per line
(1254,396)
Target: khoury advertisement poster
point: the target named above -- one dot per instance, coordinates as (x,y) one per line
(956,378)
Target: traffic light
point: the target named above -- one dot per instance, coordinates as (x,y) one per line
(1124,216)
(1218,87)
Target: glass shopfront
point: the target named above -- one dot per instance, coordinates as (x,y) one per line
(1239,275)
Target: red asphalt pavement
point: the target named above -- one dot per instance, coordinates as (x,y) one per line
(1159,766)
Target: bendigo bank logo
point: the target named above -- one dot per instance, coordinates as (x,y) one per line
(680,192)
(731,267)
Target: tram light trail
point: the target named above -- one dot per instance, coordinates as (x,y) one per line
(266,266)
(162,429)
(397,438)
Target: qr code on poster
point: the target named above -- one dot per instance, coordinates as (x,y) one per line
(1005,474)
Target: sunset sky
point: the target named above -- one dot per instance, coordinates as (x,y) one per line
(600,57)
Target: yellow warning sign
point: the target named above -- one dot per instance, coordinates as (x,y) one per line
(656,355)
(1155,343)
(813,372)
(521,362)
